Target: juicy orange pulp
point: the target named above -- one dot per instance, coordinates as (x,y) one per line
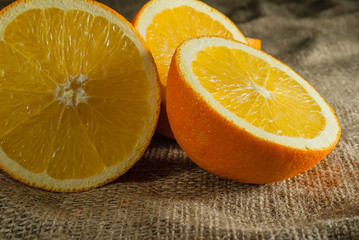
(71,105)
(260,94)
(255,43)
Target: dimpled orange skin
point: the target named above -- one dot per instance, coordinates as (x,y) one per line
(222,148)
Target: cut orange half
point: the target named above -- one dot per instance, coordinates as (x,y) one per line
(164,24)
(241,114)
(79,94)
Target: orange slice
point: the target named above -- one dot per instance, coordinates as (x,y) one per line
(164,24)
(79,94)
(241,114)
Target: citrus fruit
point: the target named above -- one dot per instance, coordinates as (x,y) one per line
(256,43)
(241,114)
(164,24)
(79,94)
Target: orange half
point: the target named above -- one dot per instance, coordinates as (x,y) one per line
(241,114)
(79,94)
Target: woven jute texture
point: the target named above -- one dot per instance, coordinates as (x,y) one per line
(166,196)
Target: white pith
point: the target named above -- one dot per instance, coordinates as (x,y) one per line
(188,53)
(69,95)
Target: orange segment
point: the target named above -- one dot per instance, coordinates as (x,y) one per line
(12,61)
(18,106)
(243,115)
(73,153)
(30,143)
(112,140)
(79,94)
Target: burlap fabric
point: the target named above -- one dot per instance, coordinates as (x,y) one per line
(166,196)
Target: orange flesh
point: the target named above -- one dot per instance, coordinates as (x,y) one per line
(263,95)
(255,43)
(174,29)
(70,106)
